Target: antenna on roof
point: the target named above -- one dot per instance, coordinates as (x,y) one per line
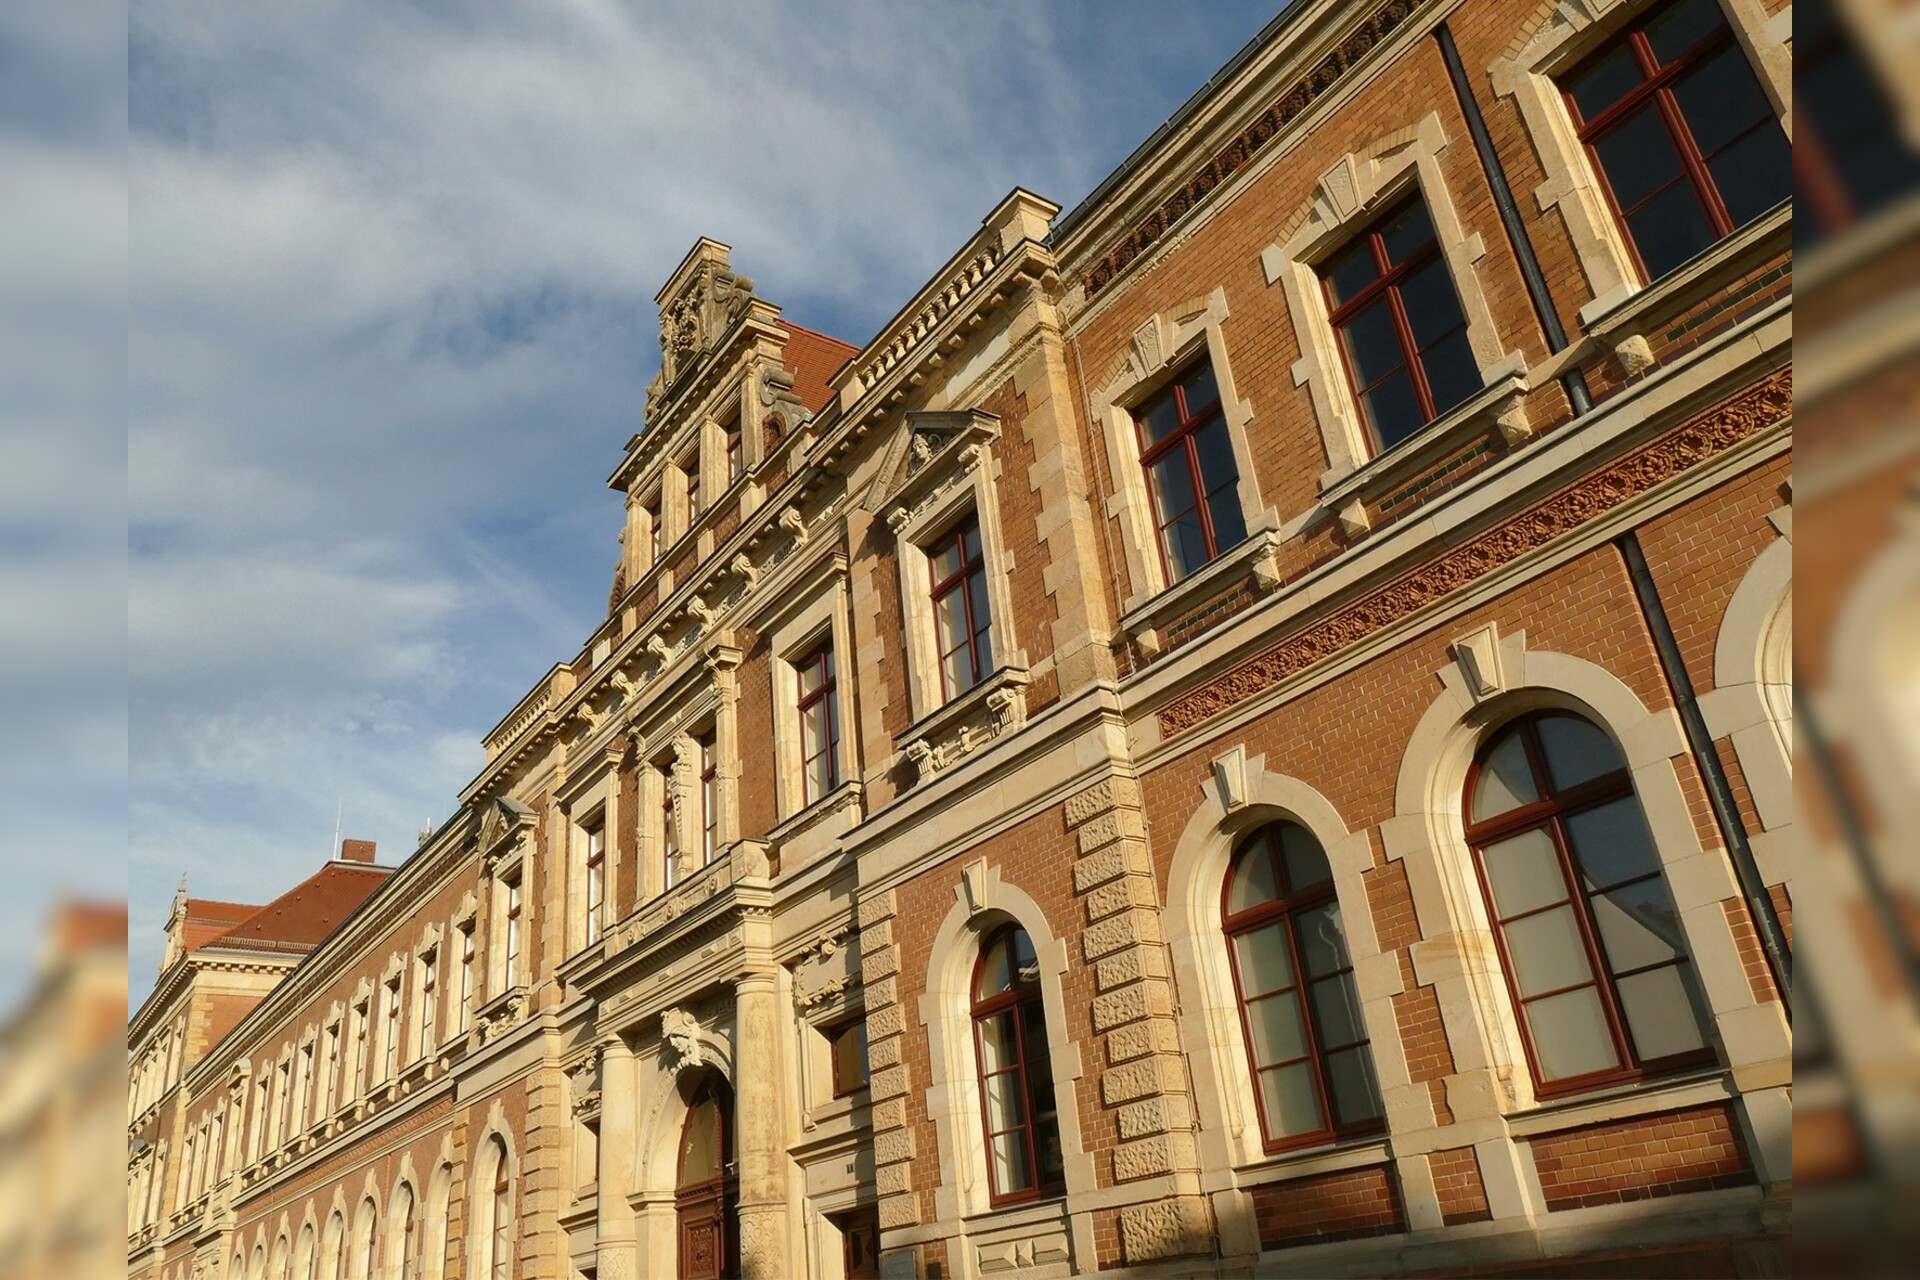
(334,852)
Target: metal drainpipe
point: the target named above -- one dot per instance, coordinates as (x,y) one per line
(1573,379)
(1726,813)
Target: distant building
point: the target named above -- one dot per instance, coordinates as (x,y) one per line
(1244,731)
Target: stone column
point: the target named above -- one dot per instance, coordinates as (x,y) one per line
(759,1134)
(618,1255)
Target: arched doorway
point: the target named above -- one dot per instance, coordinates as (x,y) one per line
(706,1189)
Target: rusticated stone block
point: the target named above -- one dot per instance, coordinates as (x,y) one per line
(891,1179)
(1102,796)
(876,936)
(1141,1079)
(893,1146)
(890,1021)
(1118,895)
(1146,1157)
(883,1053)
(898,1211)
(1164,1114)
(1144,999)
(1120,824)
(891,1114)
(885,991)
(877,908)
(1174,1228)
(878,963)
(1116,859)
(890,1083)
(1137,1039)
(1126,929)
(1131,965)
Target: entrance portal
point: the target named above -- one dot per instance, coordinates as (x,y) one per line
(705,1197)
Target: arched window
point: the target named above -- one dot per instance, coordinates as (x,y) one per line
(433,1256)
(306,1259)
(1306,1040)
(366,1227)
(402,1244)
(1591,940)
(333,1249)
(493,1230)
(1022,1123)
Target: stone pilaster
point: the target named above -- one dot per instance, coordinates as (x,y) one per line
(760,1135)
(886,1022)
(617,1257)
(543,1174)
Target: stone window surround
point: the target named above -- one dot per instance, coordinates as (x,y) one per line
(972,494)
(669,758)
(983,902)
(429,948)
(511,868)
(821,617)
(480,1191)
(1161,347)
(594,796)
(1574,29)
(1350,194)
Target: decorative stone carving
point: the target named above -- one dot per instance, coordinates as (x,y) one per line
(1512,421)
(742,568)
(794,526)
(681,1031)
(1478,656)
(1230,779)
(1634,353)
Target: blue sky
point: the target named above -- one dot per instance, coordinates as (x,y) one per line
(390,287)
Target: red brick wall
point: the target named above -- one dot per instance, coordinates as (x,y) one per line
(1662,1155)
(1332,1206)
(1456,1179)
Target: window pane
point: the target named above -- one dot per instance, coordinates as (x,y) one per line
(970,539)
(1356,1095)
(1452,372)
(1279,1033)
(1753,174)
(1006,1108)
(1638,156)
(1186,544)
(999,1049)
(1433,308)
(1576,750)
(1393,411)
(1524,872)
(1670,229)
(1678,27)
(1612,843)
(1215,450)
(1570,1035)
(1199,388)
(809,672)
(1336,1007)
(1026,967)
(1229,525)
(1350,270)
(1407,232)
(982,622)
(1304,859)
(1172,484)
(1253,879)
(1158,418)
(1292,1100)
(1638,925)
(813,730)
(1721,100)
(1373,343)
(1546,951)
(950,621)
(1604,82)
(1011,1171)
(1264,962)
(957,670)
(1506,779)
(996,972)
(1046,1132)
(1663,1012)
(1323,943)
(945,559)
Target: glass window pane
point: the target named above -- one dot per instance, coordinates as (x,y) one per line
(1670,229)
(957,670)
(1570,1036)
(1664,1013)
(999,1049)
(1304,859)
(1612,843)
(1577,750)
(809,672)
(1639,156)
(1214,448)
(1433,308)
(970,539)
(1452,372)
(995,973)
(1229,523)
(1524,873)
(1373,343)
(945,560)
(700,1145)
(1393,410)
(1678,27)
(1506,779)
(1198,386)
(1158,418)
(1026,968)
(1292,1100)
(1172,484)
(950,621)
(1356,1094)
(1336,1009)
(1279,1033)
(1604,82)
(1186,542)
(1638,925)
(1407,232)
(813,726)
(1046,1133)
(1546,951)
(1323,943)
(1265,964)
(1011,1171)
(1753,174)
(1721,100)
(1253,880)
(1006,1108)
(1350,270)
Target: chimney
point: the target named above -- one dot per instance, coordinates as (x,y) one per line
(356,851)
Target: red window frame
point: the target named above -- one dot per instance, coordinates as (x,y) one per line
(709,811)
(976,638)
(1387,283)
(693,493)
(429,999)
(1549,813)
(1283,910)
(1656,86)
(467,956)
(730,433)
(513,932)
(669,836)
(656,531)
(596,833)
(1017,998)
(1191,419)
(393,1029)
(821,696)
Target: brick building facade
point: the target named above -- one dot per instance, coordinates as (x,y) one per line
(1244,731)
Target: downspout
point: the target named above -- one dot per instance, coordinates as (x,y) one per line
(1573,380)
(1726,813)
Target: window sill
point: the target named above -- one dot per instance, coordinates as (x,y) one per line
(843,797)
(1148,614)
(1624,1101)
(997,705)
(1499,405)
(1307,1162)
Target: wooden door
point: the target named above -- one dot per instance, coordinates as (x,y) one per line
(706,1195)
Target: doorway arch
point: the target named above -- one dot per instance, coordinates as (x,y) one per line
(706,1186)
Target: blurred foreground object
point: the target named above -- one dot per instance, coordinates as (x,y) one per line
(62,1072)
(1857,294)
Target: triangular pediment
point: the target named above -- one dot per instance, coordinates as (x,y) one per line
(927,447)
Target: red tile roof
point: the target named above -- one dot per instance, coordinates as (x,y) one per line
(814,357)
(208,918)
(298,919)
(81,924)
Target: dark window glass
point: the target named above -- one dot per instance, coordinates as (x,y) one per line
(819,725)
(962,621)
(1017,1108)
(1188,455)
(1849,157)
(1681,131)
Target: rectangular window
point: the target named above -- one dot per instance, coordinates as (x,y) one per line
(847,1044)
(1402,331)
(730,432)
(1188,456)
(362,1050)
(262,1106)
(512,972)
(429,1000)
(693,491)
(302,1086)
(596,833)
(709,809)
(1684,139)
(962,621)
(393,1029)
(329,1086)
(656,532)
(669,829)
(819,725)
(464,1017)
